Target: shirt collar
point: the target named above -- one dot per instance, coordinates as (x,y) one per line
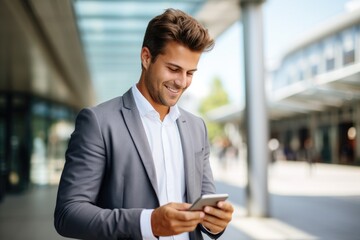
(145,108)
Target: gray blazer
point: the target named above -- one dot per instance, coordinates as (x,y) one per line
(109,176)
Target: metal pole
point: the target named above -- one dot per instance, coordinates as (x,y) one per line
(256,110)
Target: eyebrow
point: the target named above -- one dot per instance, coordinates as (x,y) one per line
(175,65)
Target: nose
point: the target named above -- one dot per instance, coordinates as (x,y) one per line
(181,80)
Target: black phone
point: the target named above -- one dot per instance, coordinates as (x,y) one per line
(208,200)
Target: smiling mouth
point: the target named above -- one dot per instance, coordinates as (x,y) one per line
(173,90)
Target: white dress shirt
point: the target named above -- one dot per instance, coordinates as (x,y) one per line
(165,144)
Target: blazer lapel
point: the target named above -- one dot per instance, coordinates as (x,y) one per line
(189,163)
(133,121)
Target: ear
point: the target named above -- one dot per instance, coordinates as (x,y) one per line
(145,57)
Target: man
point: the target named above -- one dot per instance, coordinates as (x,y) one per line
(135,163)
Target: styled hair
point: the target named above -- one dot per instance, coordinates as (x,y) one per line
(175,25)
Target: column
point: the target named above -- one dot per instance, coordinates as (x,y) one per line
(357,127)
(256,109)
(334,137)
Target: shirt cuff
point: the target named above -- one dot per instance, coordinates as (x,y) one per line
(145,225)
(210,234)
(209,230)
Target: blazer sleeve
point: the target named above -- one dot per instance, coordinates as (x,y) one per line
(208,185)
(76,214)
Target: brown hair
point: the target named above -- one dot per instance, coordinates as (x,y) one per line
(175,25)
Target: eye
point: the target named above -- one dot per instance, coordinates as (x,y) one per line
(190,74)
(173,69)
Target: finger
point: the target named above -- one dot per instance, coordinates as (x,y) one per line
(187,205)
(219,213)
(179,206)
(183,225)
(226,206)
(186,218)
(164,221)
(217,217)
(221,223)
(190,216)
(183,229)
(188,225)
(212,227)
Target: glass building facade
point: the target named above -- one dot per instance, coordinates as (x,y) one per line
(322,75)
(40,92)
(328,54)
(33,136)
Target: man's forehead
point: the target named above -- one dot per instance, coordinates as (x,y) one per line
(179,55)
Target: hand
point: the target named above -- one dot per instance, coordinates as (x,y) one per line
(217,219)
(172,219)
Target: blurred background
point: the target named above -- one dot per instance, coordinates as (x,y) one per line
(58,56)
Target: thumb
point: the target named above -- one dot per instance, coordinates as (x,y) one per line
(180,206)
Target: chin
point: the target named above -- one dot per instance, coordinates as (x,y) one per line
(171,102)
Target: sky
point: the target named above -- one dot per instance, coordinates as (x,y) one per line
(284,22)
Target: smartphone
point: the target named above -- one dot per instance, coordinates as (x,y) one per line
(208,200)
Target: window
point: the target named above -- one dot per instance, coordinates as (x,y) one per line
(348,57)
(330,64)
(314,64)
(301,70)
(329,56)
(314,70)
(291,74)
(348,43)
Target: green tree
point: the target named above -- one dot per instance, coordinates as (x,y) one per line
(216,98)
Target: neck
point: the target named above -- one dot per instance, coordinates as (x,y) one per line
(161,109)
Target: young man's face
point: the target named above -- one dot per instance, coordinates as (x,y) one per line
(170,75)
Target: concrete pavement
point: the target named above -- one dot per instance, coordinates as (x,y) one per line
(306,202)
(323,203)
(29,215)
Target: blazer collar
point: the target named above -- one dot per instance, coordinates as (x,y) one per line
(133,121)
(188,153)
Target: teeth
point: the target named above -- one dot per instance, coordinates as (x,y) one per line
(172,89)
